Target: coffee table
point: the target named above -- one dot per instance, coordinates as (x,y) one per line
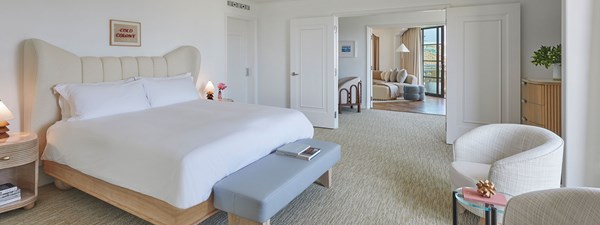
(491,210)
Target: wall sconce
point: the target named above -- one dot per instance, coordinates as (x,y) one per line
(210,90)
(5,115)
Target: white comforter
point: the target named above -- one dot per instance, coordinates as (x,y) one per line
(178,152)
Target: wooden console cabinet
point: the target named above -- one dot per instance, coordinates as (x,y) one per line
(541,104)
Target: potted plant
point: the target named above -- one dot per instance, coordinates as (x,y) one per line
(549,56)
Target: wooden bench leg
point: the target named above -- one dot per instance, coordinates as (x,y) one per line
(325,179)
(237,220)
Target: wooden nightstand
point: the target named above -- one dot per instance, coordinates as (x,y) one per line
(19,166)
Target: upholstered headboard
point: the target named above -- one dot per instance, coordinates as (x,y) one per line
(47,65)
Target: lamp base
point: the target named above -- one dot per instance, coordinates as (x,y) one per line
(4,129)
(209,96)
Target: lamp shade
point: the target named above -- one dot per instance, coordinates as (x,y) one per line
(210,88)
(402,48)
(5,114)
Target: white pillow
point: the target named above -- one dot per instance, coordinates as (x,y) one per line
(394,76)
(63,103)
(386,76)
(88,101)
(402,75)
(162,91)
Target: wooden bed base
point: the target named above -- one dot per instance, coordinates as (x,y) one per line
(143,206)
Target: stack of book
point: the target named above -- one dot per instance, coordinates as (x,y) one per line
(298,150)
(9,193)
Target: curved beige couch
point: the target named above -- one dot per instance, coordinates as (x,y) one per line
(383,90)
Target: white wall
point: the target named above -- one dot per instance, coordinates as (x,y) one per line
(581,93)
(541,24)
(82,28)
(388,42)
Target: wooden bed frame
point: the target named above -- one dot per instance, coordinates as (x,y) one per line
(140,205)
(47,65)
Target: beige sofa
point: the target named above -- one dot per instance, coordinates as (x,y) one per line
(390,90)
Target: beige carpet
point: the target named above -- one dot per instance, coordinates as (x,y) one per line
(394,170)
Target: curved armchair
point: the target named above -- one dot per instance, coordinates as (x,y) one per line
(517,158)
(556,206)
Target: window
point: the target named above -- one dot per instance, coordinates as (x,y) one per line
(434,60)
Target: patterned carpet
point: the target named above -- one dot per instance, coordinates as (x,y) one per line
(394,170)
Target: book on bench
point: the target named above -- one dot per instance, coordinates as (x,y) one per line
(298,150)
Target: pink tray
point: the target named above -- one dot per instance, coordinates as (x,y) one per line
(471,195)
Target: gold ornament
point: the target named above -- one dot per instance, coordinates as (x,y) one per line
(486,188)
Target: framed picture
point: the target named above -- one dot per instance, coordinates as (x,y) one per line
(347,49)
(125,33)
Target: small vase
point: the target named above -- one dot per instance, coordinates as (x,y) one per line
(556,71)
(220,96)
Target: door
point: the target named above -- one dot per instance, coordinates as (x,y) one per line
(313,69)
(434,60)
(484,63)
(240,54)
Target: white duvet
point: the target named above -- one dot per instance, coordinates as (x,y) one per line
(178,152)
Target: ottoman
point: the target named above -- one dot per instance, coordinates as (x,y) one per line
(414,92)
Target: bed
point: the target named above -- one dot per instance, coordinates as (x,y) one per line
(158,167)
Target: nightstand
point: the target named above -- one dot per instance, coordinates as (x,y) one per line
(225,100)
(19,166)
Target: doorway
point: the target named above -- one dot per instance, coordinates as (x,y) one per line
(241,60)
(408,47)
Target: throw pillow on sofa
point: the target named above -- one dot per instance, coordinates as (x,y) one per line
(394,76)
(386,76)
(402,75)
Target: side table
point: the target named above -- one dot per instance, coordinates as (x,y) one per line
(491,210)
(19,159)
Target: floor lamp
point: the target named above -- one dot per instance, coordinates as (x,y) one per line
(402,49)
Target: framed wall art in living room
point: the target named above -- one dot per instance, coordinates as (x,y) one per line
(125,33)
(347,49)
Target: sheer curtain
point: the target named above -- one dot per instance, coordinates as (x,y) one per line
(411,61)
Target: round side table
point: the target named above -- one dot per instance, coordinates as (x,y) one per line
(491,211)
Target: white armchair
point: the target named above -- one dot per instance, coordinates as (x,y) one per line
(555,207)
(517,158)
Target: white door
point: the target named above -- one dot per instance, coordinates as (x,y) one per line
(483,51)
(240,79)
(313,69)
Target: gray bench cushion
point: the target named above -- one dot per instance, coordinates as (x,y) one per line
(259,190)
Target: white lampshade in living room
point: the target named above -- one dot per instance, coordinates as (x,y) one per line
(402,48)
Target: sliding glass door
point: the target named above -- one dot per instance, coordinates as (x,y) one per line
(434,61)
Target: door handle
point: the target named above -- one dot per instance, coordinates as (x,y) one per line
(295,74)
(247,72)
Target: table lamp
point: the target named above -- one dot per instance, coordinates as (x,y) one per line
(5,115)
(210,90)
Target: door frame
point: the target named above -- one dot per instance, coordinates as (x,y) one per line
(369,48)
(252,53)
(369,81)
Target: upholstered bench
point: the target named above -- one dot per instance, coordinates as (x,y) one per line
(258,191)
(414,92)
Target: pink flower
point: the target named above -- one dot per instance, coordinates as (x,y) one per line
(221,86)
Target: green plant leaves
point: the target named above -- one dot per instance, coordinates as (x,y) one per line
(546,56)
